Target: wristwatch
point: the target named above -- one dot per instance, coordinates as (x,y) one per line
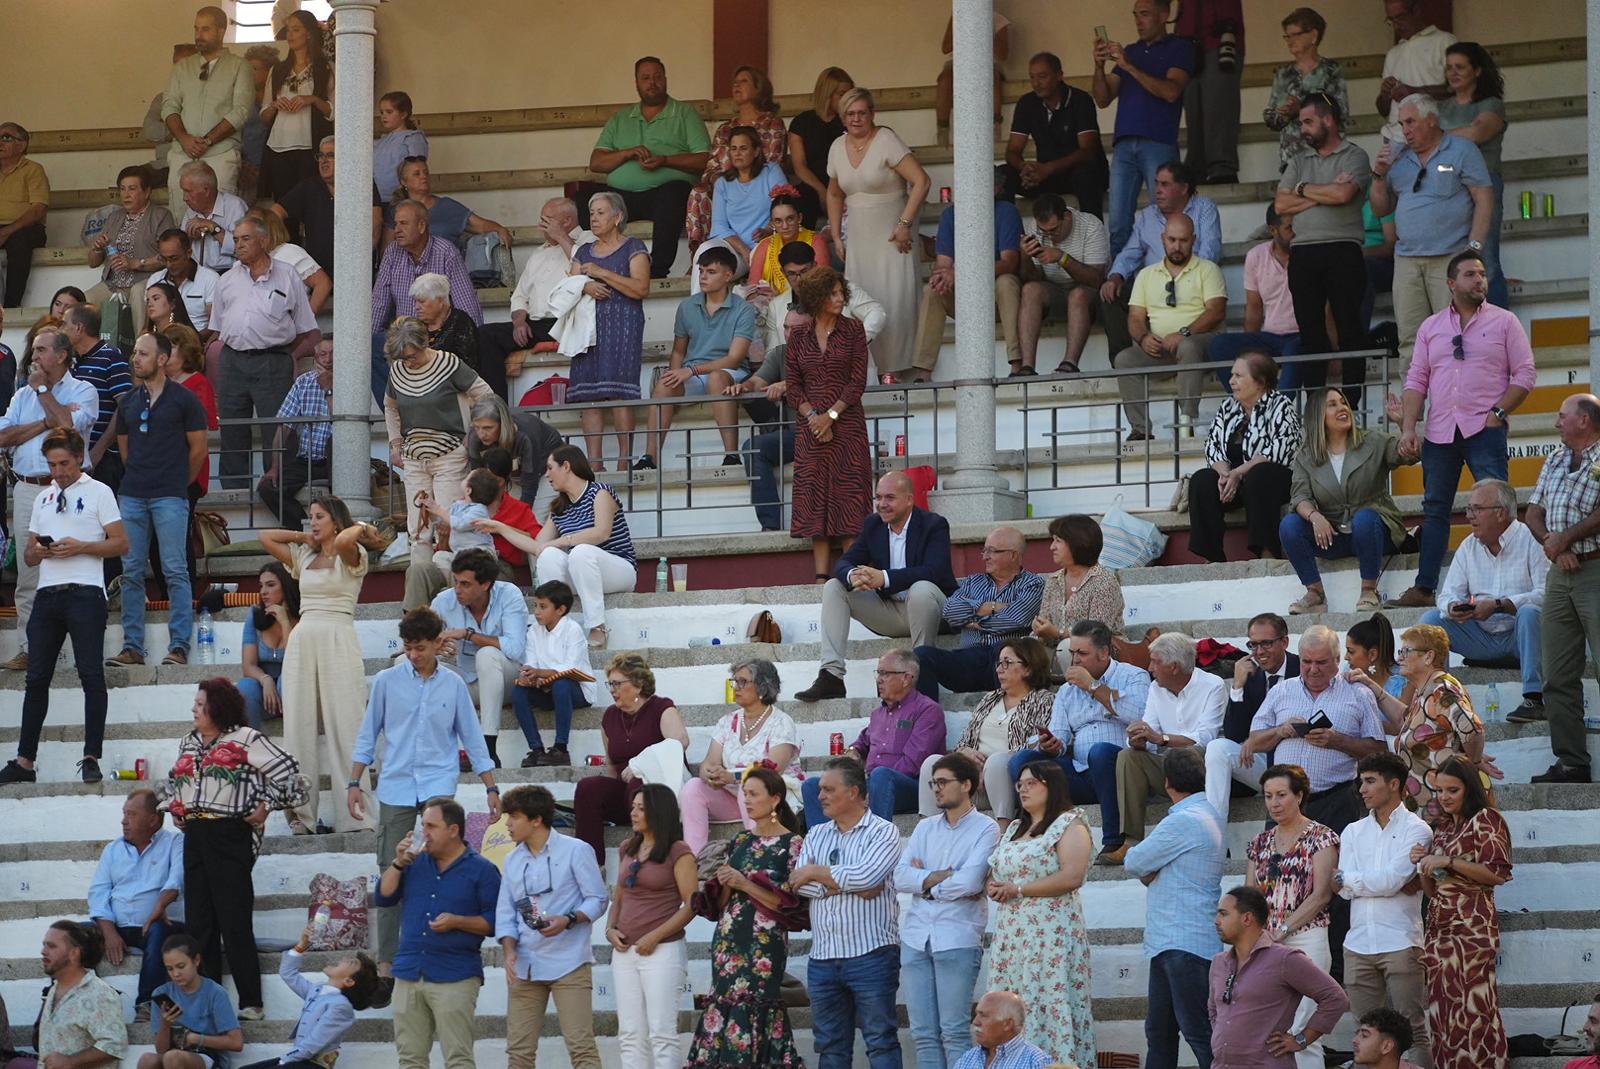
(1165,739)
(470,632)
(41,390)
(1500,414)
(832,414)
(1475,246)
(1185,331)
(572,917)
(1300,1038)
(354,784)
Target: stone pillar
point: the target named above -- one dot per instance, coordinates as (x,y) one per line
(354,33)
(976,491)
(1593,67)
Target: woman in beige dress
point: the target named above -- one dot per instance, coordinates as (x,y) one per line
(324,679)
(870,170)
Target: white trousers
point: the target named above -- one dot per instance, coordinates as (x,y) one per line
(1222,769)
(649,991)
(1314,941)
(591,572)
(496,673)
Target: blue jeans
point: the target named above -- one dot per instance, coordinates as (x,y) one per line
(1180,983)
(940,988)
(764,456)
(1134,162)
(1097,784)
(964,670)
(1499,291)
(152,970)
(1368,541)
(563,696)
(888,792)
(168,519)
(255,706)
(1522,642)
(851,993)
(1485,454)
(1226,348)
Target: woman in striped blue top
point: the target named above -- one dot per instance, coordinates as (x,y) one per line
(586,544)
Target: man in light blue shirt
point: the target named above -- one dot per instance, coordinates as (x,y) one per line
(551,893)
(997,1022)
(134,891)
(425,717)
(944,870)
(1181,864)
(1089,724)
(486,633)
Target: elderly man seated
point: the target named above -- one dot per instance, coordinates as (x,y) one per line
(1492,600)
(894,579)
(1000,602)
(136,885)
(307,209)
(210,215)
(486,632)
(997,1023)
(413,253)
(546,266)
(901,734)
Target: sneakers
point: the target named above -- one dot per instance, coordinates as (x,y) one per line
(1531,711)
(125,659)
(19,663)
(1413,598)
(535,758)
(15,773)
(251,1013)
(645,463)
(556,756)
(731,460)
(89,769)
(1560,773)
(827,685)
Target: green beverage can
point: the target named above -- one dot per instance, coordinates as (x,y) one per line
(1527,204)
(1549,205)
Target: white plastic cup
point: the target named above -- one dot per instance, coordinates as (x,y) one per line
(680,578)
(558,393)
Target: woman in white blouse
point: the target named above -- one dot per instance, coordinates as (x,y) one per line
(756,731)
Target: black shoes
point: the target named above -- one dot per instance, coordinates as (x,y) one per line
(1531,711)
(535,758)
(827,685)
(89,769)
(645,463)
(556,756)
(1560,773)
(731,460)
(15,773)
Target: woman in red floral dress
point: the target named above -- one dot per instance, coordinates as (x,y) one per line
(827,372)
(228,776)
(1469,858)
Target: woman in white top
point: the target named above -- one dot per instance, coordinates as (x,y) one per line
(297,107)
(319,284)
(755,732)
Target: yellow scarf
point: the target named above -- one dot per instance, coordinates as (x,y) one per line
(771,273)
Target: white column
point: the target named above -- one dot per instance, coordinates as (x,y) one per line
(354,32)
(975,491)
(1593,67)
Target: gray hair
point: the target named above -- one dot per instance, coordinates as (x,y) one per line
(415,205)
(765,676)
(1011,1007)
(1422,103)
(907,660)
(405,334)
(614,200)
(1321,635)
(430,287)
(325,142)
(851,772)
(1504,493)
(565,206)
(198,169)
(1175,649)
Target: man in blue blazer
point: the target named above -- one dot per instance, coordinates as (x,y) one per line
(894,579)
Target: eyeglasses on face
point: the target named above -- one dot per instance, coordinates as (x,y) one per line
(324,156)
(994,551)
(937,784)
(1008,662)
(737,682)
(615,684)
(1263,644)
(1473,510)
(11,139)
(1404,651)
(884,673)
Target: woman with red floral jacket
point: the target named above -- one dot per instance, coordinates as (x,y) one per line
(228,776)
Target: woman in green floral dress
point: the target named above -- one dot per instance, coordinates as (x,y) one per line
(745,1022)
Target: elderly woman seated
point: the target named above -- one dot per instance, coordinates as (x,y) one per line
(1340,501)
(450,330)
(1248,456)
(1081,590)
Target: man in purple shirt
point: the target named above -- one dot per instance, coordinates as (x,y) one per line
(903,732)
(413,253)
(1257,985)
(1147,83)
(1474,366)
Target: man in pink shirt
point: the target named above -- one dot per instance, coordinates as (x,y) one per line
(1269,323)
(1473,365)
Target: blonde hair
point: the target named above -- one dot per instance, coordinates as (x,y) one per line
(1429,638)
(272,227)
(1315,426)
(828,81)
(858,93)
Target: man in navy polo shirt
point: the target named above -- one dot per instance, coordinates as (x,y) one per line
(1147,82)
(161,432)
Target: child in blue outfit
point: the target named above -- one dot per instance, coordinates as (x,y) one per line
(197,1028)
(330,1010)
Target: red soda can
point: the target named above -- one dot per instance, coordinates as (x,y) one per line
(836,744)
(944,194)
(141,768)
(596,760)
(899,445)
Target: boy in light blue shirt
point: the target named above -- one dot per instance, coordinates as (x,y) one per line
(330,1007)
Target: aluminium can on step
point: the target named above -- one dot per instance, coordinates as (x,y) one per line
(836,744)
(141,769)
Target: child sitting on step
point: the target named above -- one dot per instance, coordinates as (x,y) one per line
(330,1007)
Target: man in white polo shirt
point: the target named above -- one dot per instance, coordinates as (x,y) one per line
(73,528)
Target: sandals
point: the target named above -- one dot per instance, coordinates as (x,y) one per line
(1066,367)
(1311,602)
(1369,601)
(599,643)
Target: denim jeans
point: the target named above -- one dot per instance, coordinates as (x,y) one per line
(152,970)
(1225,349)
(168,519)
(255,706)
(1180,983)
(1097,784)
(888,792)
(1485,454)
(847,993)
(1368,541)
(964,670)
(1134,162)
(764,456)
(77,610)
(1499,290)
(940,989)
(1522,642)
(563,696)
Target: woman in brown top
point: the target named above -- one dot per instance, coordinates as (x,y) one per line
(1081,590)
(637,719)
(133,229)
(649,911)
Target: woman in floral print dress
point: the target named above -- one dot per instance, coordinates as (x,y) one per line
(1041,944)
(745,1022)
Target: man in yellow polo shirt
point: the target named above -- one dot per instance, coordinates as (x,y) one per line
(652,153)
(1173,310)
(24,199)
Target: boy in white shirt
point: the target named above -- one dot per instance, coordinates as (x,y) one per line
(556,644)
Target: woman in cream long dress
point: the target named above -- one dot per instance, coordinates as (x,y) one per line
(875,184)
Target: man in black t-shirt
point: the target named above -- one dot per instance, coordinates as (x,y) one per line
(307,209)
(1065,130)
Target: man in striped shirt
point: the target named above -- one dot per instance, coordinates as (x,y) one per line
(846,867)
(985,610)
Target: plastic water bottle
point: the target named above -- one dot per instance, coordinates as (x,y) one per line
(702,640)
(663,576)
(1492,704)
(206,639)
(320,919)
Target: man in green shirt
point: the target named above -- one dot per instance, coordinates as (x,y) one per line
(652,154)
